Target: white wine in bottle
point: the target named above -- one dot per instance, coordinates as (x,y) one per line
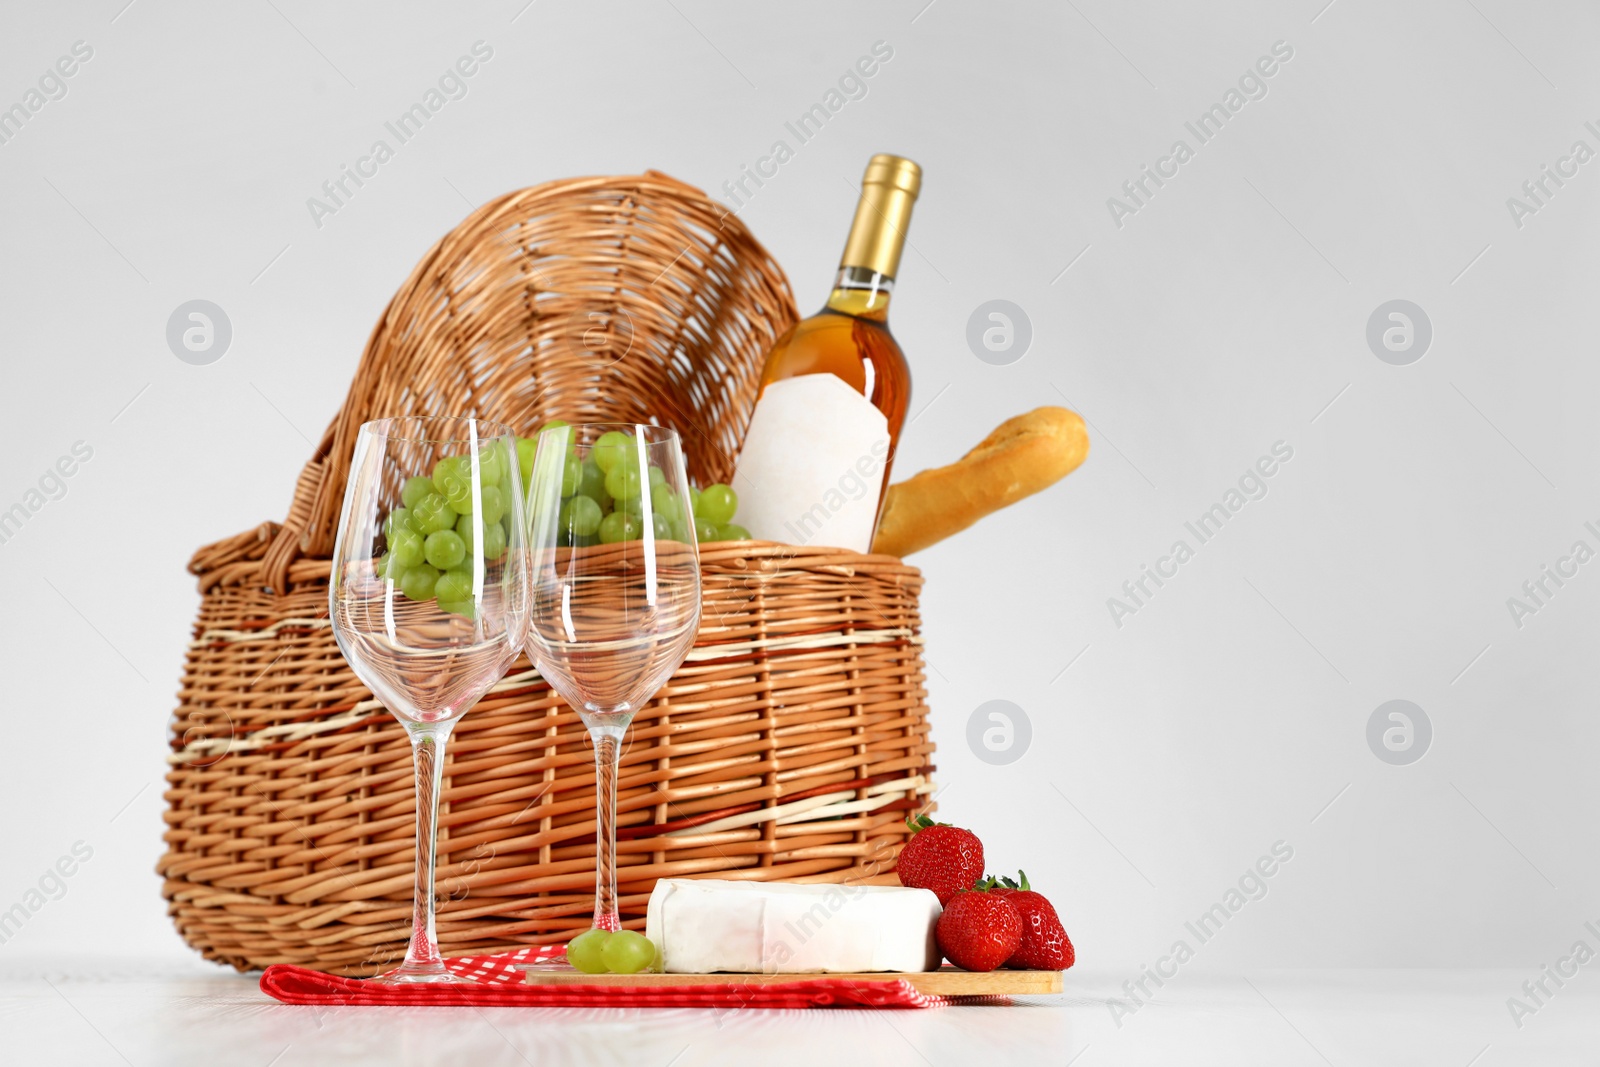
(835,389)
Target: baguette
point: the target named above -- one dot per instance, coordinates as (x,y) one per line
(1022,456)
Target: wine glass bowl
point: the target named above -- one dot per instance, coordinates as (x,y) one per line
(604,646)
(429,599)
(615,588)
(424,665)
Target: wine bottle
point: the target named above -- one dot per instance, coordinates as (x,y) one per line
(835,389)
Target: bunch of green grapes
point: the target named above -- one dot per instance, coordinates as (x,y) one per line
(430,537)
(602,498)
(623,952)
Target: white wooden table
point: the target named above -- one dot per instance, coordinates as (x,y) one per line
(177,1014)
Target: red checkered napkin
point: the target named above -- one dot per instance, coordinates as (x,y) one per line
(500,984)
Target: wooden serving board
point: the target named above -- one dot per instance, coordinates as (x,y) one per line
(946,982)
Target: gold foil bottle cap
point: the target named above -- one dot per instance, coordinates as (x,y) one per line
(888,189)
(898,172)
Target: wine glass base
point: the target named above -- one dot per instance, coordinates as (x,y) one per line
(419,973)
(555,964)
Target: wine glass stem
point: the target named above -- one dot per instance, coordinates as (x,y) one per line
(607,753)
(427,754)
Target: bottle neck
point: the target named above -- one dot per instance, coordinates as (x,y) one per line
(862,293)
(878,231)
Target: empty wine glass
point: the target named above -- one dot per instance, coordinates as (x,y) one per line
(429,600)
(615,602)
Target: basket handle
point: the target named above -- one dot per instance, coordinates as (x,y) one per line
(312,523)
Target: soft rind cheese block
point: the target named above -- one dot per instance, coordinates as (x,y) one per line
(707,925)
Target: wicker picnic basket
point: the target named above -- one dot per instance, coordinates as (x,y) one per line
(790,745)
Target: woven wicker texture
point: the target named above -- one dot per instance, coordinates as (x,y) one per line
(789,745)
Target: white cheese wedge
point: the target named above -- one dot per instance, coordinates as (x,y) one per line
(707,925)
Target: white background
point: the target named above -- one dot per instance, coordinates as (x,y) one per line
(1228,314)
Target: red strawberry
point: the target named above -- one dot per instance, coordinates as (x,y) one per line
(978,931)
(945,859)
(1045,945)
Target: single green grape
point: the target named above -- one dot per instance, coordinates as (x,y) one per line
(406,549)
(415,489)
(526,448)
(623,482)
(448,471)
(586,952)
(454,586)
(592,483)
(627,952)
(580,516)
(657,476)
(490,467)
(463,608)
(609,450)
(399,519)
(467,529)
(704,530)
(554,424)
(571,475)
(620,526)
(444,549)
(457,493)
(732,531)
(417,583)
(682,531)
(494,541)
(633,505)
(431,514)
(493,503)
(718,503)
(662,526)
(382,565)
(694,502)
(664,500)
